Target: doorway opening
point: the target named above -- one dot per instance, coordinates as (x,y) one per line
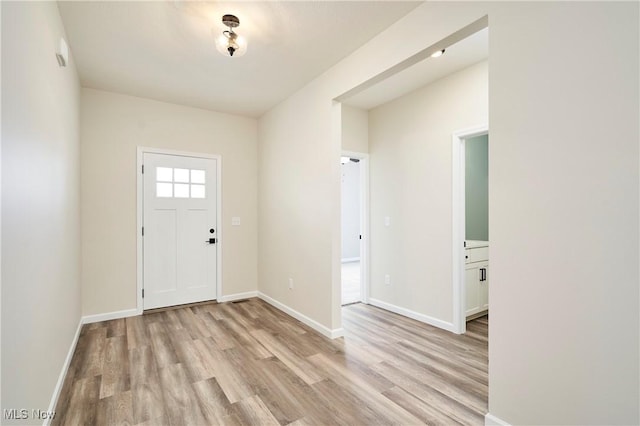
(353,225)
(470,225)
(404,279)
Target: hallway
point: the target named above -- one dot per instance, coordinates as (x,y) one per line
(351,283)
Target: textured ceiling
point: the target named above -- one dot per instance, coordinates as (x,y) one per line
(166,50)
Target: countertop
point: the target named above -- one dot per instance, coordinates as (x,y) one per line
(476,243)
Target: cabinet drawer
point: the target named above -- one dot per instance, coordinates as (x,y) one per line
(477,254)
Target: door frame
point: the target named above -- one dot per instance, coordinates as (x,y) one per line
(458,221)
(141,150)
(364,224)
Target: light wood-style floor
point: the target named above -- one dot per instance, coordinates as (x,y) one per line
(248,363)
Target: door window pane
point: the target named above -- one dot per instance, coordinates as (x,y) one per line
(197,176)
(197,191)
(164,190)
(164,174)
(181,175)
(172,182)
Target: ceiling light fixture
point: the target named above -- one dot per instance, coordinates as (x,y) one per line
(437,54)
(230,43)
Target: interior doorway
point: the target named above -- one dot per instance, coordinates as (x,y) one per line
(353,225)
(470,225)
(464,48)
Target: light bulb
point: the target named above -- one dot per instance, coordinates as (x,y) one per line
(222,42)
(242,46)
(231,39)
(437,54)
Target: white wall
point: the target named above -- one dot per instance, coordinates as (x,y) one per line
(564,289)
(563,213)
(298,205)
(112,126)
(40,205)
(411,171)
(350,211)
(0,215)
(355,129)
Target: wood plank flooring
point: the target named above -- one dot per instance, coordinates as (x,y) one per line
(248,363)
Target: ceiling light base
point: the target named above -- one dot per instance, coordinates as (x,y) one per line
(231,21)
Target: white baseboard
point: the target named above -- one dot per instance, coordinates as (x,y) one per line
(237,296)
(337,332)
(414,315)
(63,373)
(350,259)
(327,332)
(491,420)
(88,319)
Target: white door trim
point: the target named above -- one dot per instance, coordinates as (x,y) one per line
(141,150)
(458,221)
(364,222)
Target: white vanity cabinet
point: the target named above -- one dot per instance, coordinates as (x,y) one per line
(476,277)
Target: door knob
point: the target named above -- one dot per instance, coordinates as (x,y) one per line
(211,241)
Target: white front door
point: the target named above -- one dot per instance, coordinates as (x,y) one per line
(180,230)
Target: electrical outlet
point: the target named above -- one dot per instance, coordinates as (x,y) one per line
(290,283)
(387,279)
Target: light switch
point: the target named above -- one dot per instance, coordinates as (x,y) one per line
(235,221)
(387,221)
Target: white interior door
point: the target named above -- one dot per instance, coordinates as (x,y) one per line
(180,230)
